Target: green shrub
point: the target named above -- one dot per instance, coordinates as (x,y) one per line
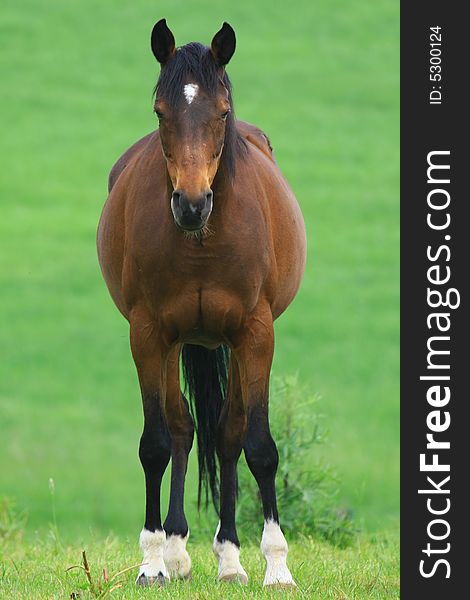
(11,521)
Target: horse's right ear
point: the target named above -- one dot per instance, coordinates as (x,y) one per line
(163,42)
(223,45)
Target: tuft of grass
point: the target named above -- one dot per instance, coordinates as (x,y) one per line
(100,587)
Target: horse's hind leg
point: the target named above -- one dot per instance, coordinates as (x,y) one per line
(155,445)
(230,436)
(181,429)
(255,357)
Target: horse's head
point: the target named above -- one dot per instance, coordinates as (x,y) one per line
(193,105)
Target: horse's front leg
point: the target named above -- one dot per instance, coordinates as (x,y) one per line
(180,425)
(255,358)
(150,357)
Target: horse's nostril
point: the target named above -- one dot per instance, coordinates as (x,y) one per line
(190,214)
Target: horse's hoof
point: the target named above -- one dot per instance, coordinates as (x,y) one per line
(281,586)
(240,578)
(186,577)
(146,581)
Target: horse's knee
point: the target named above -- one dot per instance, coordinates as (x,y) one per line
(261,452)
(154,449)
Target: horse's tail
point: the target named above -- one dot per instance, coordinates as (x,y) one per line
(205,374)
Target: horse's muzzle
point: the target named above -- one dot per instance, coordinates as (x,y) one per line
(191,215)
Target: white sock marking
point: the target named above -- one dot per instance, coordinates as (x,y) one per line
(190,91)
(152,544)
(229,560)
(274,548)
(177,559)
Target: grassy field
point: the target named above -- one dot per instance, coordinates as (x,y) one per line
(322,79)
(369,570)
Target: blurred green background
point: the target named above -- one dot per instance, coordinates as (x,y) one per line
(321,78)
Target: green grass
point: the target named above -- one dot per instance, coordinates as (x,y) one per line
(37,569)
(322,79)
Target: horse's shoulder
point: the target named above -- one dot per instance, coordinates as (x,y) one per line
(128,155)
(257,137)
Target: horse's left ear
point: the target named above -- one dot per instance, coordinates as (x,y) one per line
(223,45)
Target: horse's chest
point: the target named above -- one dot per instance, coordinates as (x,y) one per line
(206,305)
(199,314)
(200,292)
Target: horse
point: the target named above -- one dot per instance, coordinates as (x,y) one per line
(202,245)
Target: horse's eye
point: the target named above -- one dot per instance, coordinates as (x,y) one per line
(225,115)
(159,115)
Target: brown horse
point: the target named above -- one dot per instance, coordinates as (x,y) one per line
(202,245)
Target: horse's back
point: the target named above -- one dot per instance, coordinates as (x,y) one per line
(127,157)
(256,136)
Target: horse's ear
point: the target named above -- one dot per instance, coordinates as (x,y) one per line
(223,45)
(163,42)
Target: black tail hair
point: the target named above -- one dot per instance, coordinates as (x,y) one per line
(205,373)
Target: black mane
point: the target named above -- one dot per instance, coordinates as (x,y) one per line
(196,60)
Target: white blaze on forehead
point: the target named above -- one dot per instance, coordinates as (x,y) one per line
(190,92)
